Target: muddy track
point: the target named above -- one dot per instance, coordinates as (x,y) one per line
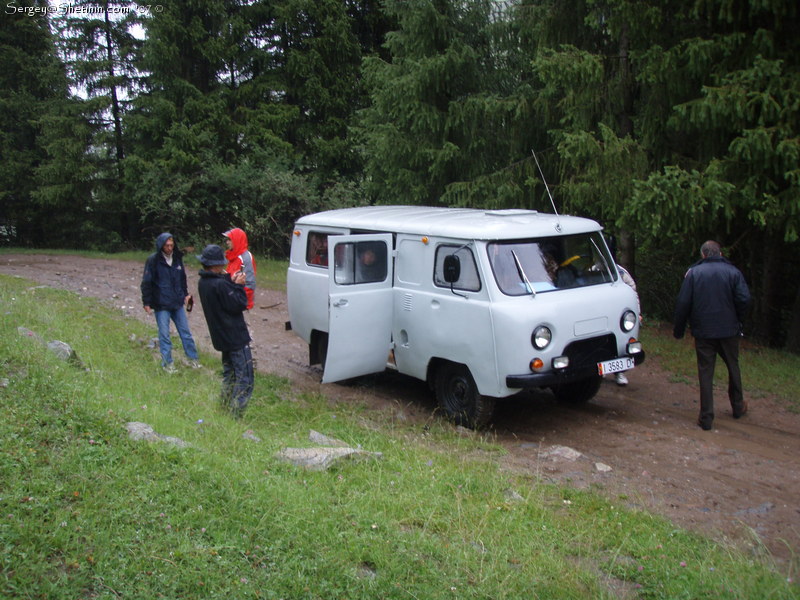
(638,444)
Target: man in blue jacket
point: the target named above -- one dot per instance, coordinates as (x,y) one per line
(165,292)
(224,302)
(714,299)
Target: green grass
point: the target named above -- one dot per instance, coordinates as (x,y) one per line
(765,372)
(87,513)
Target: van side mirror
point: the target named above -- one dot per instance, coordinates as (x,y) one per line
(451,268)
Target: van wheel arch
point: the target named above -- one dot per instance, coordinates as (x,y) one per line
(458,395)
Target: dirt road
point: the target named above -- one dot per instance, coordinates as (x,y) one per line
(638,444)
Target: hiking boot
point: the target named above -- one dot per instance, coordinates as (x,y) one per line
(704,426)
(170,369)
(195,364)
(621,379)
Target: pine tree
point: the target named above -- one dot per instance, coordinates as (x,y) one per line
(319,67)
(33,86)
(452,118)
(97,45)
(211,132)
(734,161)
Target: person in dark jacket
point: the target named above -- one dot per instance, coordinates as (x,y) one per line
(224,302)
(165,292)
(714,299)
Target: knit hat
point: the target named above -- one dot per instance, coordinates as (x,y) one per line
(212,256)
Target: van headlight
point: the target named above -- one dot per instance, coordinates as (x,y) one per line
(628,320)
(541,338)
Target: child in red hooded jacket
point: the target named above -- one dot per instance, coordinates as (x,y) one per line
(240,259)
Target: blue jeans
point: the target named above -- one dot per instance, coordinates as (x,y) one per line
(237,379)
(178,317)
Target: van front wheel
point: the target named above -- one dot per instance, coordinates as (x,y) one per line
(459,398)
(578,392)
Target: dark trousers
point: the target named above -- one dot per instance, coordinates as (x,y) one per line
(237,379)
(707,350)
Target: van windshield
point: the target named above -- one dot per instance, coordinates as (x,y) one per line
(548,264)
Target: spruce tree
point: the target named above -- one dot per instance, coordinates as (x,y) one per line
(33,87)
(96,42)
(452,119)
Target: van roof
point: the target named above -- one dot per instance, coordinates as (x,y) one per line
(471,223)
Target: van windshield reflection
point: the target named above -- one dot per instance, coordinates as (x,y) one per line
(540,265)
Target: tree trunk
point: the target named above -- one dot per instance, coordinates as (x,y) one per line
(626,252)
(793,331)
(765,314)
(115,110)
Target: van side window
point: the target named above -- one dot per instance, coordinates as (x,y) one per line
(317,249)
(468,280)
(360,262)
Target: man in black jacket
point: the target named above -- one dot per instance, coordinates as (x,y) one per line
(164,293)
(224,302)
(714,299)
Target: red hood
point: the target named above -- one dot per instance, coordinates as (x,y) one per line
(238,239)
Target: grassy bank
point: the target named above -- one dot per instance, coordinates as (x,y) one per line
(87,513)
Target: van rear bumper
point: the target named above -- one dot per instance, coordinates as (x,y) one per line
(551,378)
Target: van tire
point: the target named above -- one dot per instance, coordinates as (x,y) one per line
(578,392)
(459,398)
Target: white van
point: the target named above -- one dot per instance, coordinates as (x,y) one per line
(479,303)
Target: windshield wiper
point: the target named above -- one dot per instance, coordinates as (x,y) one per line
(603,256)
(522,274)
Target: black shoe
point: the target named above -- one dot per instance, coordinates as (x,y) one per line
(743,412)
(704,426)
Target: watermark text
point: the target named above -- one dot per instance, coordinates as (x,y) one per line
(67,8)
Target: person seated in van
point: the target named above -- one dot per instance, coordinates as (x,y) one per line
(320,257)
(549,263)
(318,249)
(370,267)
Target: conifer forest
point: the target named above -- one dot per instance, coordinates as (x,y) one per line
(668,121)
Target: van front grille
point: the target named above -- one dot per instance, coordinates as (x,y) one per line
(591,351)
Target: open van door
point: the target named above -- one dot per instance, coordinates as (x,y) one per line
(359,305)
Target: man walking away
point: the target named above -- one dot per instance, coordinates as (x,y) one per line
(164,292)
(224,301)
(714,299)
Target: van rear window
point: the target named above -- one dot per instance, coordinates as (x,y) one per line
(317,249)
(360,262)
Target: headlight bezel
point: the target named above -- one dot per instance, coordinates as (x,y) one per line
(541,337)
(628,321)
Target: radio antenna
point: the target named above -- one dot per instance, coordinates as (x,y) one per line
(547,187)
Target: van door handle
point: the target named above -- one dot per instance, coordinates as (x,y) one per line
(342,302)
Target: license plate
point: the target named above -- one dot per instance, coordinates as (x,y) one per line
(615,366)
